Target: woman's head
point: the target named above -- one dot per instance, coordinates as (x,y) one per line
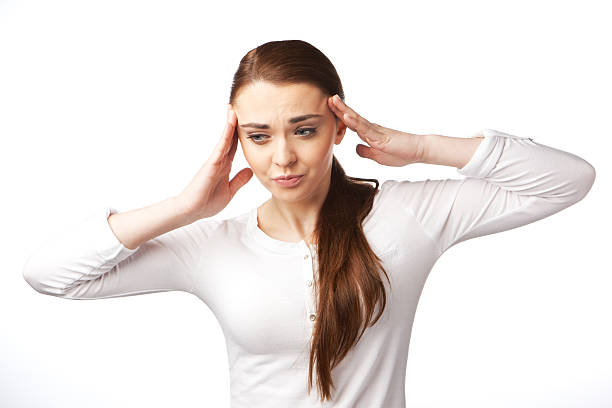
(288,129)
(274,83)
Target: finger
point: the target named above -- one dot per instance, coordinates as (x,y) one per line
(239,180)
(334,108)
(352,119)
(220,146)
(233,132)
(341,115)
(234,146)
(343,107)
(357,124)
(229,131)
(379,156)
(224,143)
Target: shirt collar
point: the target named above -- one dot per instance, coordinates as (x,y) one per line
(276,245)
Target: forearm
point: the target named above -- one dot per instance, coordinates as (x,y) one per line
(134,227)
(449,151)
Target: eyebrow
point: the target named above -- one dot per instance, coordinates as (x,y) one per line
(291,121)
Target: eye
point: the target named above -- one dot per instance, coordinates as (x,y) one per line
(311,130)
(254,138)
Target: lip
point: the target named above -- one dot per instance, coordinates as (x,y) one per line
(288,182)
(287,177)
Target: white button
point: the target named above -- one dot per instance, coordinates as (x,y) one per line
(309,283)
(306,256)
(312,317)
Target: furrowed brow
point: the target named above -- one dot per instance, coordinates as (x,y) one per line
(290,121)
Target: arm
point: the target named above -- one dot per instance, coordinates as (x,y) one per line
(134,227)
(510,181)
(449,151)
(90,262)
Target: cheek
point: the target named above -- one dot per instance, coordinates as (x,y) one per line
(249,151)
(321,156)
(258,162)
(319,152)
(251,157)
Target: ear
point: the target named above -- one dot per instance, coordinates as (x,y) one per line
(340,131)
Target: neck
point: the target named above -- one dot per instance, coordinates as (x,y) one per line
(294,218)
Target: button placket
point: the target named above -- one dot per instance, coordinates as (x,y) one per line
(308,263)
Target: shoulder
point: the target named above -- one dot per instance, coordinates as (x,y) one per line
(395,189)
(389,195)
(218,228)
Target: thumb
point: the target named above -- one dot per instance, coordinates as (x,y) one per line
(365,151)
(239,180)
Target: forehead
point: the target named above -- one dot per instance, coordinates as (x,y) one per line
(266,102)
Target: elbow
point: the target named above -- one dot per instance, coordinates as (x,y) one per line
(32,276)
(36,277)
(583,176)
(586,178)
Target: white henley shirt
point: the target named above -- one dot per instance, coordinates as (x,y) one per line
(261,290)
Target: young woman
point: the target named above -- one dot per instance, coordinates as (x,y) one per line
(320,283)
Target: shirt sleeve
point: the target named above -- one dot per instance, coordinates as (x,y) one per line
(510,181)
(89,262)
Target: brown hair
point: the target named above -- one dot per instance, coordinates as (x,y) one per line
(349,283)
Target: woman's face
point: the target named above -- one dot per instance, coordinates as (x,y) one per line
(276,140)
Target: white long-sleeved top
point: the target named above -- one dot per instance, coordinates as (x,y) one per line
(261,289)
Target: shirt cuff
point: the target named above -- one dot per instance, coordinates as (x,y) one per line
(106,244)
(487,154)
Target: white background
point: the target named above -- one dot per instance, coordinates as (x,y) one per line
(119,103)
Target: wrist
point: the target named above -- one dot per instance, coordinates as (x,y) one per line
(422,142)
(449,151)
(425,148)
(182,210)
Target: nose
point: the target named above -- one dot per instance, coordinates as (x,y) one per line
(284,155)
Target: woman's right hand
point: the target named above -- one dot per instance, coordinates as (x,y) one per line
(210,190)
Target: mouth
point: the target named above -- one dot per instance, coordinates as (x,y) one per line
(288,181)
(287,177)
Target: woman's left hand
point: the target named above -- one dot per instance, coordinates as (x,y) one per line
(386,146)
